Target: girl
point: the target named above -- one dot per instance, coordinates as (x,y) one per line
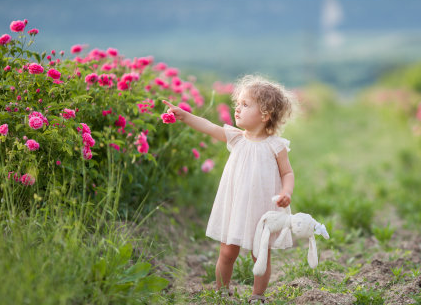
(257,169)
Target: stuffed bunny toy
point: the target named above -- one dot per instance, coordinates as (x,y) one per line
(302,225)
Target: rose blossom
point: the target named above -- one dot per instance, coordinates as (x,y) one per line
(17,26)
(4,129)
(208,165)
(32,145)
(33,32)
(35,68)
(91,78)
(7,68)
(35,122)
(87,153)
(68,114)
(88,140)
(85,128)
(112,52)
(54,74)
(115,146)
(5,39)
(27,179)
(195,153)
(120,122)
(185,106)
(58,162)
(168,118)
(142,143)
(77,48)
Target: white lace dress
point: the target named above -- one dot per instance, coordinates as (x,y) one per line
(249,181)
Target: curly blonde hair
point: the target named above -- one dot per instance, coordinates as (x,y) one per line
(272,98)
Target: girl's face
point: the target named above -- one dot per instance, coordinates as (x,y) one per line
(247,112)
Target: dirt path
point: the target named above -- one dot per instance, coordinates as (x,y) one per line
(361,266)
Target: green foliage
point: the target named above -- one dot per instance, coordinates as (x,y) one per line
(383,235)
(284,294)
(368,296)
(357,213)
(209,275)
(243,270)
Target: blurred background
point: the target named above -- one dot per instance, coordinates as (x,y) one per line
(346,44)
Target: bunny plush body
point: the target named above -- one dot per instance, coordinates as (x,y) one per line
(300,224)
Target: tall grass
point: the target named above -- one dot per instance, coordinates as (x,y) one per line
(70,248)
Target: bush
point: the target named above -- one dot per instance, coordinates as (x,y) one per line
(118,99)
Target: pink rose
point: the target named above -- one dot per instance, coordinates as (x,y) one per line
(32,145)
(35,122)
(4,129)
(112,52)
(88,140)
(168,118)
(17,26)
(54,74)
(7,68)
(208,165)
(27,179)
(105,80)
(5,39)
(33,32)
(91,78)
(171,72)
(160,66)
(120,122)
(87,153)
(85,128)
(68,114)
(185,106)
(35,68)
(58,162)
(115,146)
(122,86)
(142,143)
(195,153)
(77,48)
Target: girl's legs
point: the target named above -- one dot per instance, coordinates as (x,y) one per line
(227,256)
(261,282)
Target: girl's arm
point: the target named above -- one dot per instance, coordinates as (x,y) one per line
(287,178)
(196,122)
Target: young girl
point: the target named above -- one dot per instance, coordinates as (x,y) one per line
(257,169)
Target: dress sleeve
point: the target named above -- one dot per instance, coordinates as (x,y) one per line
(233,135)
(277,144)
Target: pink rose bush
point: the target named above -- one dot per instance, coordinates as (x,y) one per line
(61,111)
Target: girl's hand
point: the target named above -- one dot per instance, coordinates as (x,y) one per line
(284,199)
(177,111)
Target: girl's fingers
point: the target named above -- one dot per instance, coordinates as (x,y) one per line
(168,103)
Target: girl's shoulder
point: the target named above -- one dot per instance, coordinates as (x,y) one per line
(278,143)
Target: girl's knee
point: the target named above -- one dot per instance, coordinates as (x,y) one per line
(229,253)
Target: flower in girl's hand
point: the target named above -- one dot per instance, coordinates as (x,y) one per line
(168,118)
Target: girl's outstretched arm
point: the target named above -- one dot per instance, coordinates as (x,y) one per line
(287,178)
(196,122)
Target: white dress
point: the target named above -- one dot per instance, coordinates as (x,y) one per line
(249,181)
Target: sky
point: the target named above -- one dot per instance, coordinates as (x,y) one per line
(282,38)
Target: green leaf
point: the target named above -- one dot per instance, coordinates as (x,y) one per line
(139,122)
(125,252)
(136,272)
(151,284)
(99,269)
(121,287)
